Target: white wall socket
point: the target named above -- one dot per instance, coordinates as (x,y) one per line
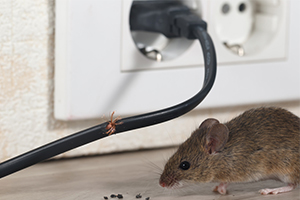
(178,52)
(99,69)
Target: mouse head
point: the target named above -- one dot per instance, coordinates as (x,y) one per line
(194,158)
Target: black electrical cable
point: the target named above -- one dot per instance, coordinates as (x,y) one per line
(100,131)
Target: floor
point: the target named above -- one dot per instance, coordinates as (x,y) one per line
(128,174)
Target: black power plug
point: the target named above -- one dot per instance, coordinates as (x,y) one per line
(170,18)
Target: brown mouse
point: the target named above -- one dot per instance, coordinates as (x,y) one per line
(261,143)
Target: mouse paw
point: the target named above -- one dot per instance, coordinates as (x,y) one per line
(221,188)
(277,190)
(268,191)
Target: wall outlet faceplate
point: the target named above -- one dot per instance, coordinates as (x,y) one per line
(180,52)
(99,69)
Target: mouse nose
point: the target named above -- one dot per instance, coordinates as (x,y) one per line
(161,183)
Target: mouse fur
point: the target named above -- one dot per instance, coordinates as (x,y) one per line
(261,143)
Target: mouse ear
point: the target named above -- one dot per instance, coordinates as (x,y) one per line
(216,138)
(208,123)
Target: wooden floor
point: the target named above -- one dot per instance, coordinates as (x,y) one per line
(128,174)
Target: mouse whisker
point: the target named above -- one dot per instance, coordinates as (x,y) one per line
(155,166)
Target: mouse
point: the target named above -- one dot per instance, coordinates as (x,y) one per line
(261,143)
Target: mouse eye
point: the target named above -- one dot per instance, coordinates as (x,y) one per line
(185,165)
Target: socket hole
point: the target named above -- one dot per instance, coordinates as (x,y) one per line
(242,7)
(225,8)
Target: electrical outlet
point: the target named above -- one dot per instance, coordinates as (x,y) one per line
(169,53)
(99,67)
(249,30)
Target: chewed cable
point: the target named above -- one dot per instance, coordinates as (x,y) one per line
(121,125)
